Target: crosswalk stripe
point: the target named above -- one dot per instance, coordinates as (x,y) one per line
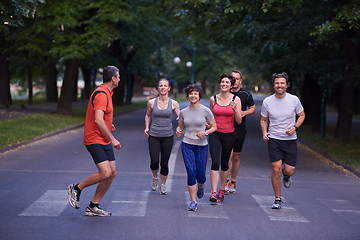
(206,209)
(286,214)
(51,204)
(343,208)
(133,206)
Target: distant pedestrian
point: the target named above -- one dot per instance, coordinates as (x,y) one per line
(159,130)
(194,147)
(99,141)
(226,108)
(279,125)
(247,108)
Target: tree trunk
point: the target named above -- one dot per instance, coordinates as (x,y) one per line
(119,92)
(345,112)
(67,90)
(5,95)
(124,54)
(51,84)
(29,72)
(347,95)
(75,82)
(311,101)
(129,88)
(87,73)
(204,84)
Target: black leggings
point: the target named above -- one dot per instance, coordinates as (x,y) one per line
(221,145)
(161,145)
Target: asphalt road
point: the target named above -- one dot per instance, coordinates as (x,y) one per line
(322,203)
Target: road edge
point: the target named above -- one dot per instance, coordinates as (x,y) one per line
(330,158)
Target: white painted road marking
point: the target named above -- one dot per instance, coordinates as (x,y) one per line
(133,203)
(343,208)
(51,204)
(286,214)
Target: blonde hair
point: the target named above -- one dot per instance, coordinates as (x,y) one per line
(153,94)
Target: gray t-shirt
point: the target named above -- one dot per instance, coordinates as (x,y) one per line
(281,114)
(195,121)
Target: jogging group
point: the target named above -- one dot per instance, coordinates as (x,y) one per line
(219,130)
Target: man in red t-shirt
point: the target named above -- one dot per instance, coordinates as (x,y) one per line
(99,141)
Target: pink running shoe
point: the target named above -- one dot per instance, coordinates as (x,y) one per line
(213,197)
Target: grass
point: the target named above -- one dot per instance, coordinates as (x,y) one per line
(344,152)
(32,126)
(35,125)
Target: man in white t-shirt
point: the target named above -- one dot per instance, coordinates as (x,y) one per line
(278,125)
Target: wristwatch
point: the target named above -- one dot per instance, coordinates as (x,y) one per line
(296,128)
(206,133)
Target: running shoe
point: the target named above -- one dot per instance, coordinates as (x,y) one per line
(287,181)
(213,197)
(163,189)
(220,196)
(277,204)
(232,186)
(227,186)
(73,196)
(154,184)
(192,206)
(200,192)
(96,211)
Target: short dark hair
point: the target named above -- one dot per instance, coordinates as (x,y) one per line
(229,76)
(237,71)
(280,75)
(194,87)
(109,72)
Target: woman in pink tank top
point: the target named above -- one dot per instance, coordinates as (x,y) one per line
(226,108)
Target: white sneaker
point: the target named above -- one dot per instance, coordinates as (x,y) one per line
(287,181)
(277,204)
(154,184)
(73,196)
(96,211)
(163,189)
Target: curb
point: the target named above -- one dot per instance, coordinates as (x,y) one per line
(330,158)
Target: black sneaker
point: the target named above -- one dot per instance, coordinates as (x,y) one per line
(277,204)
(73,196)
(200,192)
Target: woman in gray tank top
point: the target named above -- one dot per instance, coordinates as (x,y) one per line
(159,130)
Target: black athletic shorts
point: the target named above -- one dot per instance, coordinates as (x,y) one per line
(239,140)
(285,150)
(101,153)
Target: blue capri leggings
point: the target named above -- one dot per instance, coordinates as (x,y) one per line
(195,158)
